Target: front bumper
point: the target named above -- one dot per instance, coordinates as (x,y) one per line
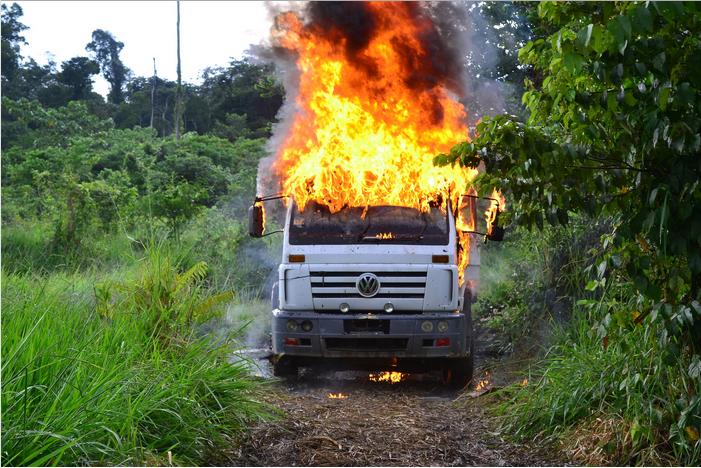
(370,335)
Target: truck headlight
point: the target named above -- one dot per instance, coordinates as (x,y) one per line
(442,326)
(427,327)
(307,326)
(344,308)
(292,326)
(389,307)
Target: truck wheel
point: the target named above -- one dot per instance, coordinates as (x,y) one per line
(458,372)
(284,366)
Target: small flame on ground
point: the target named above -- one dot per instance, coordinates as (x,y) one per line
(391,377)
(385,235)
(524,383)
(337,396)
(484,383)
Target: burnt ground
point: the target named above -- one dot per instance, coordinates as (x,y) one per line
(417,422)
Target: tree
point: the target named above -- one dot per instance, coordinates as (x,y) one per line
(76,73)
(153,93)
(106,50)
(614,129)
(179,88)
(12,39)
(243,88)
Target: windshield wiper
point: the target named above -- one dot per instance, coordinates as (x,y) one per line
(361,236)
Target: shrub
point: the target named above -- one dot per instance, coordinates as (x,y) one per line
(80,387)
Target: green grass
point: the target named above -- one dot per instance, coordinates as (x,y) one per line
(531,279)
(28,247)
(81,388)
(601,382)
(630,380)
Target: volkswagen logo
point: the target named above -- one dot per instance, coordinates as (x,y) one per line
(368,284)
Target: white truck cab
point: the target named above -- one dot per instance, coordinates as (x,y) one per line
(375,288)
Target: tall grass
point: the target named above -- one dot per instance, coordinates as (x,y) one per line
(582,382)
(29,247)
(604,385)
(80,387)
(534,278)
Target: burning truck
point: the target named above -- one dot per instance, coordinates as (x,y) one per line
(380,257)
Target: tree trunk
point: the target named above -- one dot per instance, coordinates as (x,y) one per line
(164,118)
(178,89)
(153,92)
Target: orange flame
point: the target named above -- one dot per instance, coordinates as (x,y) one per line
(385,235)
(262,207)
(498,203)
(484,383)
(337,396)
(364,134)
(391,377)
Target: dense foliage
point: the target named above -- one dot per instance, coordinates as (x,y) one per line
(71,167)
(614,129)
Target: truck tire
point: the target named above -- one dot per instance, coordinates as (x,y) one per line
(457,373)
(284,366)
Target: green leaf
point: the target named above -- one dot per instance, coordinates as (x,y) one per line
(600,39)
(619,36)
(685,94)
(695,367)
(624,22)
(573,62)
(658,61)
(601,269)
(622,47)
(653,196)
(663,97)
(642,19)
(584,35)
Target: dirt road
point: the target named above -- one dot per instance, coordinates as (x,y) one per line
(416,422)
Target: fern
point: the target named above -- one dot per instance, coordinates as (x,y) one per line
(196,273)
(173,301)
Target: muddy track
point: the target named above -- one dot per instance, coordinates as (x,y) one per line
(416,422)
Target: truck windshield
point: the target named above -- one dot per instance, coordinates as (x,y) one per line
(379,225)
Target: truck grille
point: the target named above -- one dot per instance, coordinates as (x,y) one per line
(367,344)
(393,284)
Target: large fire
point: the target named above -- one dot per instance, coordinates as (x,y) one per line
(374,107)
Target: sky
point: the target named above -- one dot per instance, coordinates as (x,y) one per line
(211,33)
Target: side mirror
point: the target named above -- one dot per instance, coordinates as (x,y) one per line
(496,232)
(256,220)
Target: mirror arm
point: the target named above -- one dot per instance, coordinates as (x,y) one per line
(273,232)
(269,197)
(474,232)
(482,198)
